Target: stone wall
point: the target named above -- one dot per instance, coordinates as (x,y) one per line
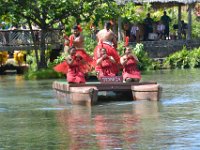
(163,48)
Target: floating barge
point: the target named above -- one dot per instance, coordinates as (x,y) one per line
(88,93)
(11,69)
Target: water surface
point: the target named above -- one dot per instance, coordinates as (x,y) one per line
(32,118)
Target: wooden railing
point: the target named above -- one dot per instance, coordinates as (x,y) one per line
(22,39)
(11,40)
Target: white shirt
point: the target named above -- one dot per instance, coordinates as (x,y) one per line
(134,30)
(160,27)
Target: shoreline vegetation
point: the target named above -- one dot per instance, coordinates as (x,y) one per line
(183,59)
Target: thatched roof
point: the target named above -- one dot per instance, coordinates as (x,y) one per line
(121,2)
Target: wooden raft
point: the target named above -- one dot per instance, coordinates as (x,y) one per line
(87,94)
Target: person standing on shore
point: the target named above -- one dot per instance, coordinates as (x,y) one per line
(148,26)
(166,20)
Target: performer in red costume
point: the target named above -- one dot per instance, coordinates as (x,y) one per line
(66,42)
(107,39)
(77,40)
(105,65)
(75,67)
(129,62)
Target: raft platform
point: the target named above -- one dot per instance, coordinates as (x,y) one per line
(87,94)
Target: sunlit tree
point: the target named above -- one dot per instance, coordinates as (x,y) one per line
(46,13)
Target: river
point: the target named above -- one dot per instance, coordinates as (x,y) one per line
(31,118)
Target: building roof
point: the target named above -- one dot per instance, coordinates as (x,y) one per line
(121,2)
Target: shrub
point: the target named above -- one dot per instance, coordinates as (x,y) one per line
(145,62)
(183,59)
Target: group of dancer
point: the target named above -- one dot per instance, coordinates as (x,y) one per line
(106,61)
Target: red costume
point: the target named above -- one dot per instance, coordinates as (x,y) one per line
(130,69)
(75,72)
(111,51)
(80,51)
(106,68)
(66,38)
(126,42)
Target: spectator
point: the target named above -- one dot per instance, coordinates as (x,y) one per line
(166,20)
(36,32)
(14,27)
(160,30)
(2,24)
(134,32)
(148,26)
(183,28)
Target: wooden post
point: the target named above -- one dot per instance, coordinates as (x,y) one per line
(119,29)
(179,21)
(189,30)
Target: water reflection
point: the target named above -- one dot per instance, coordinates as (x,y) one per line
(19,80)
(76,123)
(112,133)
(103,128)
(122,127)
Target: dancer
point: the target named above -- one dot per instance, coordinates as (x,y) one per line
(66,42)
(105,65)
(129,62)
(107,39)
(75,67)
(77,40)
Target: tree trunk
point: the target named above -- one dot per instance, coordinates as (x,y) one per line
(34,43)
(43,63)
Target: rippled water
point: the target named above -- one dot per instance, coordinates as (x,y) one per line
(32,118)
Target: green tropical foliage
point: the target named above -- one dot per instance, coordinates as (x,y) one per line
(103,11)
(145,62)
(43,74)
(183,59)
(47,13)
(195,28)
(194,56)
(133,13)
(90,45)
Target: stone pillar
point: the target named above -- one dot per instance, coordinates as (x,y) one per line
(179,21)
(189,30)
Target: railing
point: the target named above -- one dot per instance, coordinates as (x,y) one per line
(11,40)
(22,39)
